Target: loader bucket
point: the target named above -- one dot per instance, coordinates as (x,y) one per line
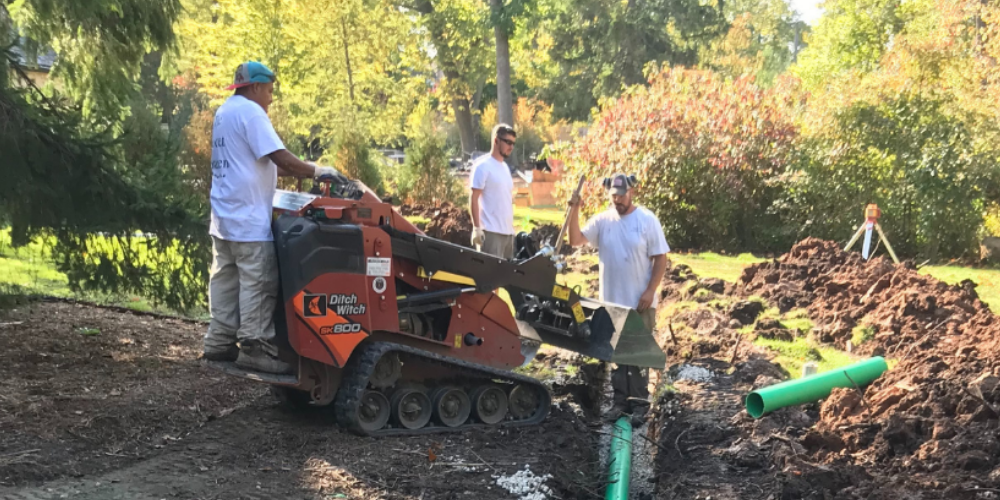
(617,334)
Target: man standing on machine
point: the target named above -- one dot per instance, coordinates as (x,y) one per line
(247,157)
(492,200)
(632,251)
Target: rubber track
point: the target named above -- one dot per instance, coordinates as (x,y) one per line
(362,364)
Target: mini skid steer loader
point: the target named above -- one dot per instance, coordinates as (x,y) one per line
(404,334)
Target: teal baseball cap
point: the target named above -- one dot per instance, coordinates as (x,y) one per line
(250,73)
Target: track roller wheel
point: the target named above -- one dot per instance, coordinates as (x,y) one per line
(292,399)
(411,408)
(524,401)
(387,371)
(489,404)
(452,406)
(373,411)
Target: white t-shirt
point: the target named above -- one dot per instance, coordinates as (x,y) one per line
(625,247)
(496,206)
(243,177)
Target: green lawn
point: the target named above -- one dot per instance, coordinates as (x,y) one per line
(713,265)
(30,270)
(792,355)
(526,218)
(987,279)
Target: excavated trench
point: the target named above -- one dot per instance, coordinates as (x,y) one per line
(928,428)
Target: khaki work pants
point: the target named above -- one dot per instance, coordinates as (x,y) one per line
(242,294)
(500,245)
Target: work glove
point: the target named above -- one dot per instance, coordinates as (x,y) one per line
(478,236)
(329,174)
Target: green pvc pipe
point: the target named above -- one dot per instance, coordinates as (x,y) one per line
(813,387)
(620,458)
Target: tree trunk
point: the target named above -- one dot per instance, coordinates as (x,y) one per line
(347,58)
(463,119)
(505,99)
(477,99)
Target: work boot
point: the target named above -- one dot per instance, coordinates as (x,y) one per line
(228,353)
(254,357)
(617,410)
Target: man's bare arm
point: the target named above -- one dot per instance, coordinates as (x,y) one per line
(290,165)
(659,267)
(474,205)
(649,295)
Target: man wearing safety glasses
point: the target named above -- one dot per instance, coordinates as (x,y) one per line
(492,199)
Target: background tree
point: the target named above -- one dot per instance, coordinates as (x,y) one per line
(906,153)
(709,154)
(851,36)
(595,48)
(501,17)
(97,159)
(458,32)
(760,40)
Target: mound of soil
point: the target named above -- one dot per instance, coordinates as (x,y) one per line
(931,423)
(841,291)
(548,234)
(447,222)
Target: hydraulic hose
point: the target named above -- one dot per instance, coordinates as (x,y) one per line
(813,387)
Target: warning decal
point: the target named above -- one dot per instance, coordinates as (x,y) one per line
(379,266)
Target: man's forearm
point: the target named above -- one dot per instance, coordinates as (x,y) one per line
(659,267)
(291,164)
(576,237)
(474,208)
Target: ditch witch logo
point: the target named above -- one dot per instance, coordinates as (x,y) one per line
(317,305)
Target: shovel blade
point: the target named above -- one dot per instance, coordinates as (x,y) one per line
(617,334)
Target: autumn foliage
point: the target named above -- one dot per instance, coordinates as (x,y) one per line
(729,165)
(708,154)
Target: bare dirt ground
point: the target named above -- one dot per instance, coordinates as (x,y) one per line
(99,404)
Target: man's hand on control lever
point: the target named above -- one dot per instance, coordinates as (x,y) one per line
(330,174)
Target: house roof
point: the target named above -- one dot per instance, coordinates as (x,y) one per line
(42,61)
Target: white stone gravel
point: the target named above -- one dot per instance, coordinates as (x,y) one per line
(525,484)
(694,374)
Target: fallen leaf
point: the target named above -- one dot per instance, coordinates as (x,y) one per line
(430,455)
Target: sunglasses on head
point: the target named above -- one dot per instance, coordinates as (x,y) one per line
(508,141)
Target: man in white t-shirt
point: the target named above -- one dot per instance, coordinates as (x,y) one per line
(247,157)
(492,200)
(632,254)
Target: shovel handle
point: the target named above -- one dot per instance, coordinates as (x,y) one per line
(565,226)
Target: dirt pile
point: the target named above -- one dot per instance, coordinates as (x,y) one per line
(447,221)
(548,234)
(930,423)
(884,306)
